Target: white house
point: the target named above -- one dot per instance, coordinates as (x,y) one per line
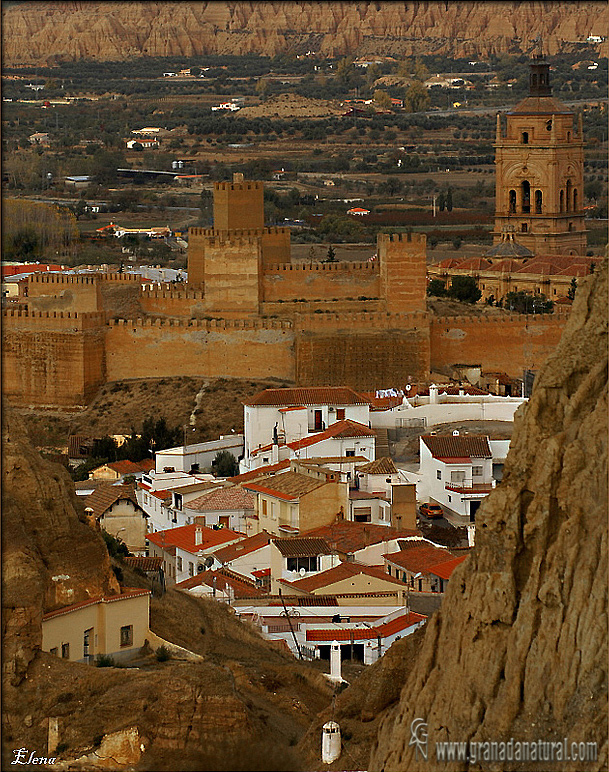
(198,457)
(459,470)
(298,557)
(249,557)
(115,509)
(367,507)
(163,497)
(188,550)
(283,416)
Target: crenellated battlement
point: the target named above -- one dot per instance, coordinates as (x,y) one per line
(239,185)
(407,238)
(344,267)
(60,278)
(165,293)
(362,320)
(210,325)
(497,319)
(271,230)
(45,320)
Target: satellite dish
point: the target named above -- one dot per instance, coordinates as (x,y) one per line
(199,567)
(209,561)
(302,571)
(408,387)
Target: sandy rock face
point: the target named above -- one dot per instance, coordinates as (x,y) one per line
(43,31)
(42,570)
(519,647)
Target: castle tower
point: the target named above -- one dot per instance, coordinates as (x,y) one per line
(539,161)
(238,205)
(403,265)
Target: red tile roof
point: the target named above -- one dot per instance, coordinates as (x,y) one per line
(382,465)
(444,570)
(302,547)
(261,471)
(103,498)
(339,573)
(184,537)
(125,594)
(243,547)
(325,395)
(385,629)
(448,446)
(144,563)
(129,467)
(419,557)
(340,429)
(289,486)
(350,536)
(223,500)
(241,585)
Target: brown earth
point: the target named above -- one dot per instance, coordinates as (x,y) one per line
(40,32)
(122,405)
(292,106)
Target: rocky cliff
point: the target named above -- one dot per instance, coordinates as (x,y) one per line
(38,32)
(519,647)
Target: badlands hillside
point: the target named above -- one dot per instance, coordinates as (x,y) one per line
(43,32)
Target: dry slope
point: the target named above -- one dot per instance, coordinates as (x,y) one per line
(519,646)
(36,32)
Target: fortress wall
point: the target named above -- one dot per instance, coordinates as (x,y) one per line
(171,302)
(321,281)
(245,348)
(506,343)
(363,360)
(232,274)
(60,292)
(52,359)
(362,321)
(292,307)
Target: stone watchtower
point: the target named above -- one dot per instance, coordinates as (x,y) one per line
(228,260)
(539,161)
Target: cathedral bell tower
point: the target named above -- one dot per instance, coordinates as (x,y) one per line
(539,161)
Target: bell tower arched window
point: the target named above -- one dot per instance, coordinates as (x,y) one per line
(538,201)
(512,202)
(561,199)
(526,196)
(569,201)
(575,201)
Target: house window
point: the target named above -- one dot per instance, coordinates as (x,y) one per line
(524,227)
(178,498)
(179,561)
(449,499)
(65,651)
(349,453)
(191,569)
(476,471)
(525,137)
(340,413)
(438,474)
(145,498)
(126,636)
(457,477)
(389,570)
(54,651)
(86,642)
(295,564)
(264,506)
(265,460)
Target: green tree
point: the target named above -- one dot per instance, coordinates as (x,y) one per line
(449,200)
(436,288)
(442,201)
(525,303)
(382,99)
(331,256)
(224,464)
(465,289)
(572,289)
(416,98)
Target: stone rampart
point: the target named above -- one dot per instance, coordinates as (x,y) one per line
(509,344)
(320,281)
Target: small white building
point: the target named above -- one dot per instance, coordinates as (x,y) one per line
(299,557)
(459,470)
(288,415)
(198,457)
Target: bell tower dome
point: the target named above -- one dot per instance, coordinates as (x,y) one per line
(539,158)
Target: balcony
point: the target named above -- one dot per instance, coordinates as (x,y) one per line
(469,488)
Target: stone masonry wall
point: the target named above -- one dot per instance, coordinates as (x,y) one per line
(509,344)
(320,281)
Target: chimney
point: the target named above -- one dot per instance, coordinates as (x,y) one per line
(456,433)
(198,535)
(366,536)
(237,177)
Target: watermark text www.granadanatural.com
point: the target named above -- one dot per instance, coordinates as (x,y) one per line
(511,750)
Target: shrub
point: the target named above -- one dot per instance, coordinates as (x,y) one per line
(104,660)
(162,654)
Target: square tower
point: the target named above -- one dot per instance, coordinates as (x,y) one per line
(238,205)
(539,161)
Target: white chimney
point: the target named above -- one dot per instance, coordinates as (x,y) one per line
(456,433)
(198,535)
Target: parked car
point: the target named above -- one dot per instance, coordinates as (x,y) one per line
(432,511)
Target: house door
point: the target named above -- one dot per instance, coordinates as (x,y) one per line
(224,520)
(318,421)
(474,506)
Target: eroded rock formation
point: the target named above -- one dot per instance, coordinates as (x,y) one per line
(39,32)
(519,647)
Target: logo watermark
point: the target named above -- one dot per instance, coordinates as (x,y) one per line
(536,751)
(26,756)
